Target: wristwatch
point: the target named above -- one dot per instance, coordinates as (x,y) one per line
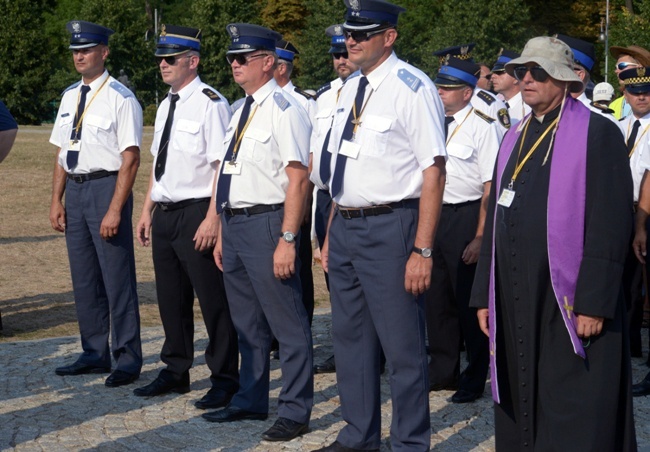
(289,237)
(424,252)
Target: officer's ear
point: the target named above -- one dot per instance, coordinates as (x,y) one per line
(390,36)
(105,51)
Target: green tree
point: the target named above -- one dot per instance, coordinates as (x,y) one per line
(26,64)
(629,29)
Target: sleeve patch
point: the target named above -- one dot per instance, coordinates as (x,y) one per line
(281,101)
(486,97)
(73,86)
(484,117)
(123,90)
(504,118)
(411,80)
(211,94)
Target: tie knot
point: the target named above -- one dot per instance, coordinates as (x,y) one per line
(637,124)
(449,119)
(249,100)
(363,82)
(85,89)
(174,98)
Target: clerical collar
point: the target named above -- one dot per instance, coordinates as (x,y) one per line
(550,116)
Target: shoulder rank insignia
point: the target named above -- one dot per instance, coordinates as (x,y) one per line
(305,93)
(326,87)
(211,94)
(281,101)
(123,90)
(484,117)
(73,86)
(236,104)
(504,118)
(486,97)
(411,80)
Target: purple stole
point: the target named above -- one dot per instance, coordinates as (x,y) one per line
(565,218)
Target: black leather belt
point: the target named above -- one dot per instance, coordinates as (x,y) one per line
(461,204)
(169,206)
(81,178)
(253,210)
(371,211)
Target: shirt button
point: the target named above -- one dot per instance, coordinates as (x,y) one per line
(521,341)
(523,368)
(519,327)
(523,385)
(521,355)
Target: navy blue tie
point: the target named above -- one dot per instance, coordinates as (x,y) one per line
(448,120)
(348,131)
(631,140)
(72,157)
(223,186)
(325,159)
(161,159)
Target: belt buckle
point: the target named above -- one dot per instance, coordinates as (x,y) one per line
(164,207)
(78,178)
(345,213)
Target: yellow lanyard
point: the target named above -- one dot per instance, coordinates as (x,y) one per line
(76,130)
(356,121)
(240,136)
(520,165)
(645,129)
(459,125)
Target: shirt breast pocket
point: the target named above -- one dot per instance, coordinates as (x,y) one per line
(65,130)
(255,145)
(373,134)
(186,137)
(97,130)
(460,151)
(323,121)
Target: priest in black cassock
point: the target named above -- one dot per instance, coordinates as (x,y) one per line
(548,282)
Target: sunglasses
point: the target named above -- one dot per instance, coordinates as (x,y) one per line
(536,72)
(170,60)
(340,55)
(625,65)
(243,60)
(361,36)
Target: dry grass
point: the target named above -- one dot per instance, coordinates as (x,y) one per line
(36,298)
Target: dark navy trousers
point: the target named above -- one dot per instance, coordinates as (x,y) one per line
(103,277)
(263,307)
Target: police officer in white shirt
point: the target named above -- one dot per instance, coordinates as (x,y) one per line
(98,132)
(261,194)
(508,87)
(387,178)
(179,216)
(473,140)
(482,100)
(328,95)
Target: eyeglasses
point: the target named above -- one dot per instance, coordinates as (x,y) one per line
(243,60)
(171,60)
(625,65)
(340,55)
(361,36)
(536,72)
(487,76)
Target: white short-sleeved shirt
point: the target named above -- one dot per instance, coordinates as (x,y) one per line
(308,104)
(400,135)
(587,103)
(112,122)
(640,159)
(322,123)
(492,106)
(278,133)
(200,120)
(517,108)
(472,147)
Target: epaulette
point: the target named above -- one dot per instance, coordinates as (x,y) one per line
(483,116)
(73,86)
(123,90)
(281,101)
(326,87)
(411,80)
(212,94)
(305,93)
(603,109)
(236,104)
(486,97)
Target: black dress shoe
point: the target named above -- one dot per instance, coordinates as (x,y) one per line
(120,378)
(641,389)
(233,413)
(338,447)
(215,398)
(444,386)
(463,396)
(326,367)
(81,369)
(162,386)
(284,430)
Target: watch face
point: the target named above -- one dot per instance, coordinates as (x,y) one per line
(288,237)
(426,252)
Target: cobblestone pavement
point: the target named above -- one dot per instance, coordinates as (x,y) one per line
(42,411)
